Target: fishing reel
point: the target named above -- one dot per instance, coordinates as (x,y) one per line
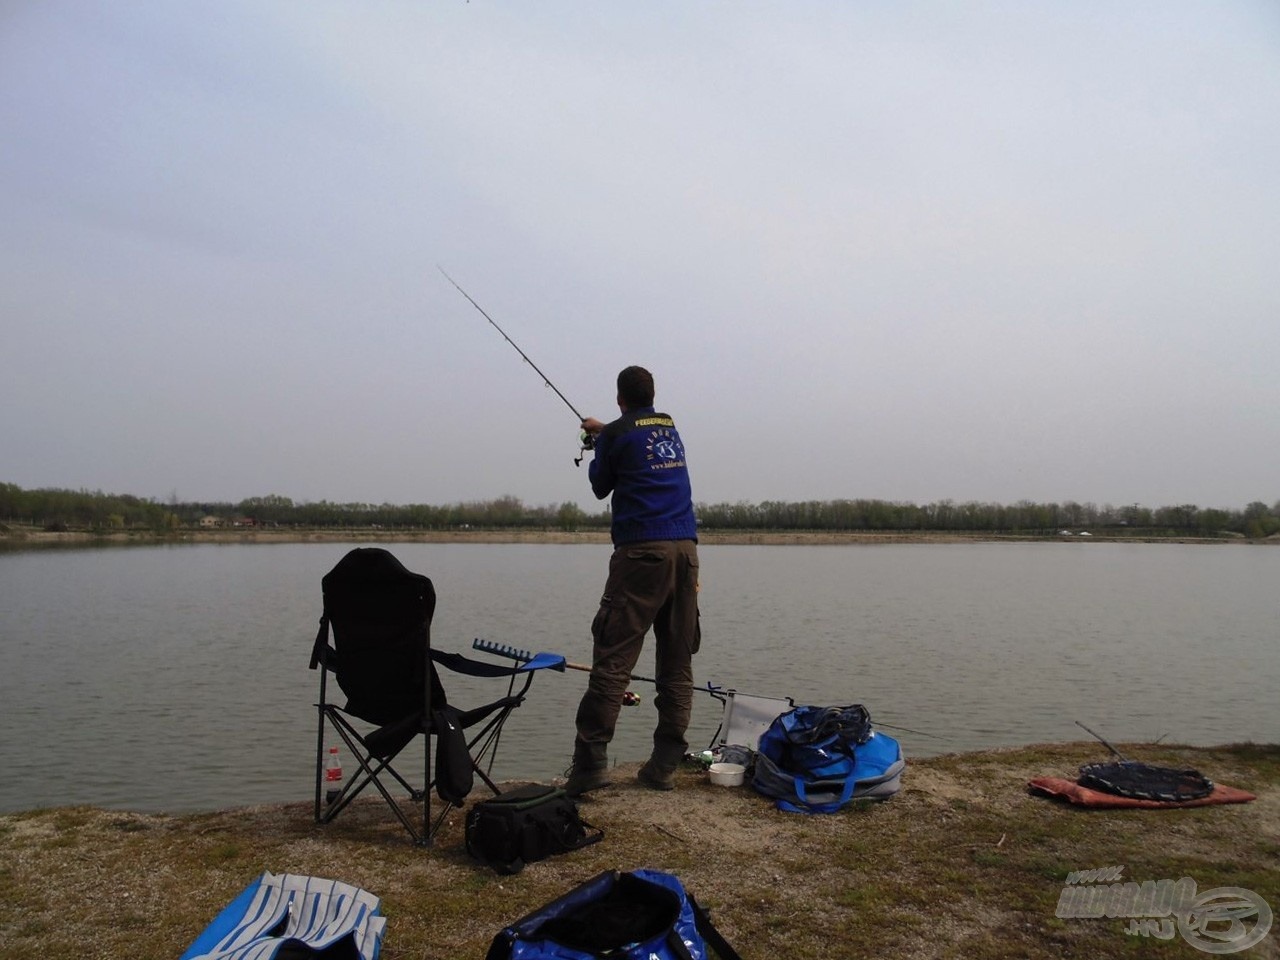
(588,442)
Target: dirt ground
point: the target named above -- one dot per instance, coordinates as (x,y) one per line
(963,863)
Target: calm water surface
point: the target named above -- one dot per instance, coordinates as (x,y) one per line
(175,677)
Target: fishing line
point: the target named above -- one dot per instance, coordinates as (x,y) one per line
(918,733)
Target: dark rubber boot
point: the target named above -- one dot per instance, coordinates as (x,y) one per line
(590,769)
(582,780)
(657,777)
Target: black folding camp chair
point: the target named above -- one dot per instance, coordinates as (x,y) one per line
(381,657)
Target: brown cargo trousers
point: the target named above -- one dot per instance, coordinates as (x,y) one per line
(650,584)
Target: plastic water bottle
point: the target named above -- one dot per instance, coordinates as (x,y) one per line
(333,776)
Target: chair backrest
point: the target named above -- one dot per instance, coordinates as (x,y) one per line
(380,614)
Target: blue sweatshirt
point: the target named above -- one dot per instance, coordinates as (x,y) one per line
(640,460)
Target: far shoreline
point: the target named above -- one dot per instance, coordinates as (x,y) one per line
(18,537)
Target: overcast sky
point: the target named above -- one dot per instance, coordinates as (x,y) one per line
(908,251)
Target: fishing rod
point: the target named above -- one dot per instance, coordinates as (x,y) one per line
(1102,740)
(587,440)
(715,691)
(523,656)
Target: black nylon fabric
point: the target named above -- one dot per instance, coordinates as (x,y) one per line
(631,911)
(1129,778)
(849,725)
(380,614)
(524,825)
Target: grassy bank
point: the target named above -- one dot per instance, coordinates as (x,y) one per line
(962,863)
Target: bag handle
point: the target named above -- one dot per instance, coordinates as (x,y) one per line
(846,793)
(587,838)
(702,919)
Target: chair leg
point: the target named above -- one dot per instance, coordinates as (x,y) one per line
(320,711)
(370,774)
(481,747)
(428,834)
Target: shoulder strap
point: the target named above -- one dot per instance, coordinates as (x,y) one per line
(569,817)
(676,945)
(589,838)
(709,932)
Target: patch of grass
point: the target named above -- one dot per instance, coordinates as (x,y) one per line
(224,852)
(72,818)
(989,858)
(130,825)
(63,839)
(866,898)
(1264,758)
(1047,868)
(11,886)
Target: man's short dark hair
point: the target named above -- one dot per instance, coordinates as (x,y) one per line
(635,387)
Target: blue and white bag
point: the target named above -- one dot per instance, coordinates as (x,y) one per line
(819,759)
(284,915)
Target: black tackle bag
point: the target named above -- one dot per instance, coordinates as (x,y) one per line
(525,824)
(641,915)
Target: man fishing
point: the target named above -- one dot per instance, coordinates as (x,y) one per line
(652,582)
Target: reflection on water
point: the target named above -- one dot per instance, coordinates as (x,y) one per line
(175,677)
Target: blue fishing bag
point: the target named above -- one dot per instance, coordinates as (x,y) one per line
(641,915)
(819,759)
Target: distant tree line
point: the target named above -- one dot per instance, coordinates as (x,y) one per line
(1255,520)
(503,513)
(54,509)
(81,509)
(57,509)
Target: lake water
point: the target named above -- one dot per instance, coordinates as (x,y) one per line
(174,678)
